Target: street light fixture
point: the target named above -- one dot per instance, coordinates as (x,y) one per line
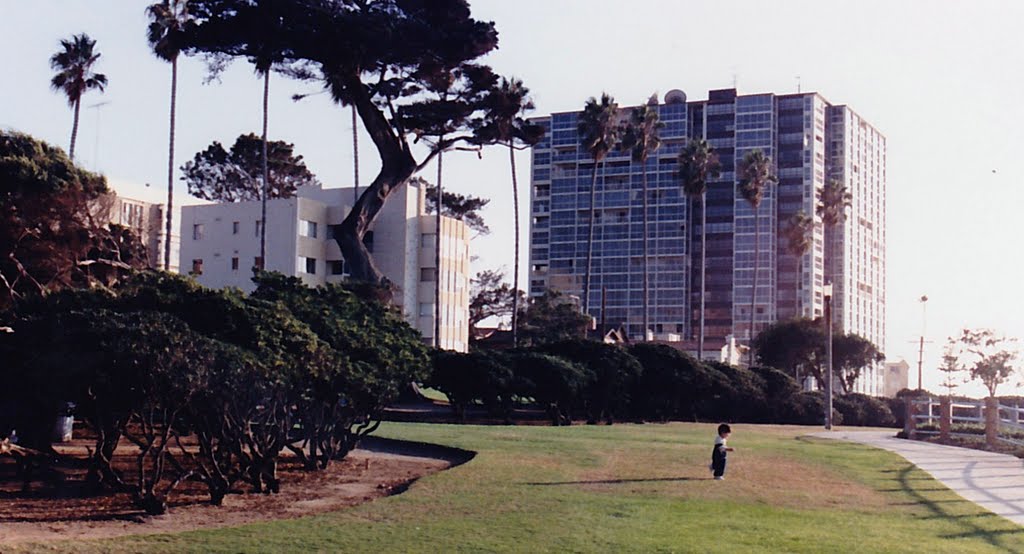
(828,356)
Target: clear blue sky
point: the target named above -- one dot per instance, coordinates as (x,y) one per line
(941,79)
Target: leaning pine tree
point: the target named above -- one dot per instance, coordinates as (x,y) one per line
(402,89)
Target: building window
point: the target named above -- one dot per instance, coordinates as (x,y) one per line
(307,265)
(426,309)
(428,274)
(257,263)
(307,228)
(258,225)
(197,267)
(333,232)
(234,264)
(427,240)
(197,231)
(234,227)
(336,267)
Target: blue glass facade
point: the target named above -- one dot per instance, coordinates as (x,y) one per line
(790,129)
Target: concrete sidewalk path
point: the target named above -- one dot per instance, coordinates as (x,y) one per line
(993,481)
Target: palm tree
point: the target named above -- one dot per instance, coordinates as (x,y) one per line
(168,19)
(506,124)
(833,199)
(355,154)
(640,136)
(698,162)
(797,233)
(599,134)
(75,77)
(755,174)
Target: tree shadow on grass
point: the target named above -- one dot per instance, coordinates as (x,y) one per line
(939,511)
(618,481)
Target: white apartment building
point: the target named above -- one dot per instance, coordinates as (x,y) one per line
(148,222)
(221,244)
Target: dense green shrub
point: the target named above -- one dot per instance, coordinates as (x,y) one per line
(807,408)
(470,377)
(671,383)
(613,376)
(552,382)
(742,397)
(161,357)
(863,410)
(779,387)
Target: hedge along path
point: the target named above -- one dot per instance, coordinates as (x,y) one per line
(993,481)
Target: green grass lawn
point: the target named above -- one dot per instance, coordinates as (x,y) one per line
(632,488)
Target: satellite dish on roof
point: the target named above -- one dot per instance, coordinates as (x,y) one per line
(675,96)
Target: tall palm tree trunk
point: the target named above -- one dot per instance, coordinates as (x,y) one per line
(437,257)
(515,264)
(646,276)
(355,152)
(799,286)
(703,267)
(74,129)
(170,167)
(266,172)
(590,242)
(753,293)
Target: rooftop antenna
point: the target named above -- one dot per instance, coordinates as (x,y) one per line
(96,142)
(798,84)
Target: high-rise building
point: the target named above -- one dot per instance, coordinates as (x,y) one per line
(221,245)
(808,139)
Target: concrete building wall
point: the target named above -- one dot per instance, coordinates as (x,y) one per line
(148,222)
(223,240)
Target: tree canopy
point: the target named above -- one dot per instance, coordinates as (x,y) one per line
(235,176)
(798,346)
(552,317)
(465,208)
(409,67)
(490,296)
(54,230)
(988,357)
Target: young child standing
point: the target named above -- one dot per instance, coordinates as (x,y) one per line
(718,455)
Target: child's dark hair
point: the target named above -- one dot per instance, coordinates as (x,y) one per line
(724,428)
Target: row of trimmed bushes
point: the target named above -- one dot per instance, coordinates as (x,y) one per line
(598,382)
(161,362)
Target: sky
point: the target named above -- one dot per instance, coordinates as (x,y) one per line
(939,78)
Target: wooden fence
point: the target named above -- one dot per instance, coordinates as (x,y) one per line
(938,416)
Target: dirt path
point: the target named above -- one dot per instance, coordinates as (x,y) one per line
(380,467)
